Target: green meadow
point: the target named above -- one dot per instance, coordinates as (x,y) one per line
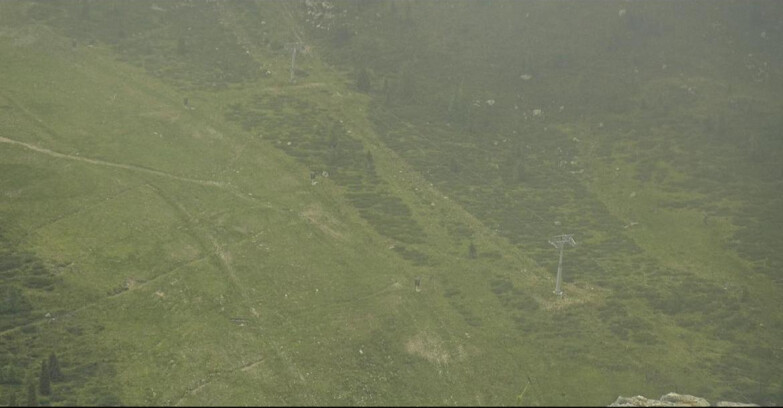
(185,219)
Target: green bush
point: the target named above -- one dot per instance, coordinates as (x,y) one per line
(10,374)
(13,300)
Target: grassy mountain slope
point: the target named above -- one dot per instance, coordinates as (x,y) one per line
(182,225)
(648,133)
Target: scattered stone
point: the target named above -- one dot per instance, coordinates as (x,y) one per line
(685,400)
(673,400)
(734,404)
(639,401)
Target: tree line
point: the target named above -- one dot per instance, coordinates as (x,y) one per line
(50,373)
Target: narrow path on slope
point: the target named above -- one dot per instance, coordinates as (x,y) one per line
(112,164)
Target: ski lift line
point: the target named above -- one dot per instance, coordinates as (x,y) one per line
(335,306)
(533,213)
(340,302)
(332,308)
(421,137)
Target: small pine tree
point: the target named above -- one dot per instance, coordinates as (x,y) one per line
(369,161)
(12,398)
(363,81)
(32,397)
(54,368)
(472,254)
(44,383)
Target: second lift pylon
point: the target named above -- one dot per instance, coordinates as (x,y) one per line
(560,241)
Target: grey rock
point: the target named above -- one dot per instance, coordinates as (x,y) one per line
(639,401)
(734,404)
(673,400)
(685,400)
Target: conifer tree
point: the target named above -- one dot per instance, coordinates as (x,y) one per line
(369,161)
(363,81)
(32,397)
(54,368)
(44,383)
(12,398)
(472,251)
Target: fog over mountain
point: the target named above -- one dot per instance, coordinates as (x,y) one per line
(390,202)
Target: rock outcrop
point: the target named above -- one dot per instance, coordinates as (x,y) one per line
(673,400)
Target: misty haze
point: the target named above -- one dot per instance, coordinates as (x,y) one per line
(397,202)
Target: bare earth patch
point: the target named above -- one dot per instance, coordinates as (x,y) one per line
(323,221)
(574,295)
(433,349)
(168,115)
(184,253)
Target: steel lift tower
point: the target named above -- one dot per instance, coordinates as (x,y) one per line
(560,242)
(294,47)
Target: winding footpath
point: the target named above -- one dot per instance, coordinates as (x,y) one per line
(111,164)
